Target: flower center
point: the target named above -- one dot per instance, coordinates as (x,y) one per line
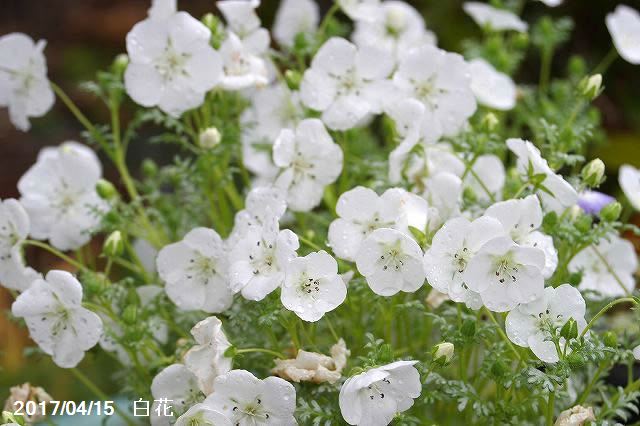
(201,267)
(506,270)
(309,285)
(264,261)
(460,259)
(393,257)
(171,63)
(251,411)
(377,389)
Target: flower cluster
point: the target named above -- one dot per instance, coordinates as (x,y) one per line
(360,189)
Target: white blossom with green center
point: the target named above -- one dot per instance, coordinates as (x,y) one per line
(248,401)
(309,160)
(452,248)
(312,286)
(537,324)
(391,262)
(24,87)
(347,83)
(58,193)
(373,398)
(171,64)
(259,260)
(195,271)
(505,274)
(52,309)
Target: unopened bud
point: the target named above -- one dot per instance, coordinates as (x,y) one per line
(113,245)
(593,173)
(130,314)
(490,122)
(443,352)
(611,212)
(610,339)
(149,168)
(120,64)
(569,330)
(106,190)
(591,87)
(293,79)
(209,138)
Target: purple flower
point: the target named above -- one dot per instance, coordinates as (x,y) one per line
(593,201)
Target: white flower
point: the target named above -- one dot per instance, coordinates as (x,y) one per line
(629,180)
(314,367)
(374,397)
(453,246)
(14,228)
(206,359)
(443,192)
(531,325)
(52,309)
(171,64)
(575,416)
(624,26)
(521,220)
(636,352)
(393,26)
(241,68)
(359,9)
(361,211)
(491,87)
(24,87)
(177,384)
(195,271)
(243,21)
(200,414)
(564,195)
(58,193)
(262,206)
(346,83)
(505,274)
(441,82)
(444,349)
(312,286)
(161,10)
(23,394)
(309,160)
(390,261)
(259,260)
(607,267)
(272,109)
(146,253)
(495,19)
(295,17)
(247,401)
(552,3)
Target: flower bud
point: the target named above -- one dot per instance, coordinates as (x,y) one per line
(443,352)
(490,122)
(569,330)
(583,223)
(209,138)
(130,314)
(106,190)
(149,168)
(611,212)
(590,87)
(593,173)
(120,64)
(114,245)
(610,339)
(293,79)
(230,352)
(575,360)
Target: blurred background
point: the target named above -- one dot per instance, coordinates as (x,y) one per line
(83,36)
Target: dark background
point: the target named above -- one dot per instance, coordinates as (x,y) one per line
(84,35)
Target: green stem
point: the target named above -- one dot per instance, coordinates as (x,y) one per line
(503,335)
(550,407)
(606,62)
(100,394)
(263,350)
(55,252)
(545,68)
(325,21)
(611,271)
(604,310)
(331,329)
